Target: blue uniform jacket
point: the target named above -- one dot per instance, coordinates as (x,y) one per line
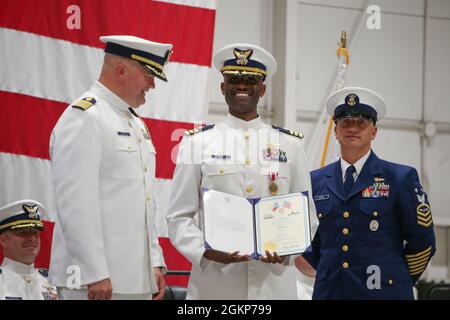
(376,243)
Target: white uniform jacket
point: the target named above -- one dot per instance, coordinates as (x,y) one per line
(230,158)
(103,166)
(20,281)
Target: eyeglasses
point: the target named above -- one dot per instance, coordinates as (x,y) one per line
(245,79)
(360,123)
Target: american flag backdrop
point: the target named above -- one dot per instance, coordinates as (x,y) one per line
(51,53)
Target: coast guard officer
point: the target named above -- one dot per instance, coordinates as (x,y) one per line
(103,166)
(375,235)
(241,156)
(20,227)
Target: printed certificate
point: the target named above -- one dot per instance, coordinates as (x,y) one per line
(251,226)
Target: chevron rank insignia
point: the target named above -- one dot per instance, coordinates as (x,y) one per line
(197,130)
(290,132)
(84,103)
(423,209)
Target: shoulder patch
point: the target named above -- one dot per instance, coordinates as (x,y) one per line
(84,103)
(43,272)
(290,132)
(199,129)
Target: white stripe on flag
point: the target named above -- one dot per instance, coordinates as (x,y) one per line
(45,67)
(57,63)
(30,178)
(207,4)
(26,178)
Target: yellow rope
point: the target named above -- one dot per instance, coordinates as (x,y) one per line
(344,52)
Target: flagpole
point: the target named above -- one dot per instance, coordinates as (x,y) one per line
(338,82)
(344,60)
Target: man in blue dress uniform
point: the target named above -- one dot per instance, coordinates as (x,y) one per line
(375,236)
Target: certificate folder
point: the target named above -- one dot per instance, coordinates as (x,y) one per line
(251,226)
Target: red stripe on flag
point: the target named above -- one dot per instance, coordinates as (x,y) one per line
(165,136)
(189,29)
(175,261)
(27,122)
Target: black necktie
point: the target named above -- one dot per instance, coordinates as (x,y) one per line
(349,181)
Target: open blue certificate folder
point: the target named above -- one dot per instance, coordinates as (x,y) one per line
(252,226)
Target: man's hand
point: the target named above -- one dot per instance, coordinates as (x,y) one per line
(269,258)
(225,257)
(101,290)
(160,282)
(305,267)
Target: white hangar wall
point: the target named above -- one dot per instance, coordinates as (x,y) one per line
(406,61)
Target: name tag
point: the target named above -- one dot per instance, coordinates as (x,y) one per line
(321,197)
(125,134)
(220,156)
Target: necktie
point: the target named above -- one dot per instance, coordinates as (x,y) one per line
(349,181)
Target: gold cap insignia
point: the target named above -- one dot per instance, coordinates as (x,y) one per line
(31,210)
(351,99)
(242,56)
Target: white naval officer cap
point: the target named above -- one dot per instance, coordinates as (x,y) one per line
(22,214)
(152,55)
(356,101)
(245,59)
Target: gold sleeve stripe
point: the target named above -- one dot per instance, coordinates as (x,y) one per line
(425,224)
(421,269)
(418,262)
(427,250)
(410,260)
(416,272)
(425,219)
(417,265)
(424,215)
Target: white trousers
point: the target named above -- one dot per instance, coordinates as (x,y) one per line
(81,294)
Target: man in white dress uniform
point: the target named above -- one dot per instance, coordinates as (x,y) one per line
(20,227)
(241,156)
(103,163)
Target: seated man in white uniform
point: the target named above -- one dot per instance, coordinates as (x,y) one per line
(20,227)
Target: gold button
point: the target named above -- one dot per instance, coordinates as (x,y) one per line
(139,140)
(345,248)
(247,135)
(346,214)
(320,215)
(375,213)
(345,265)
(390,281)
(345,231)
(129,147)
(247,162)
(249,189)
(221,171)
(148,199)
(28,279)
(145,169)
